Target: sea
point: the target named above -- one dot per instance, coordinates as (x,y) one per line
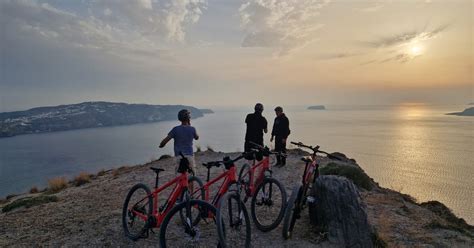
(413,148)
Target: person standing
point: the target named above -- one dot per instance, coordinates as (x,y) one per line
(281,131)
(256,126)
(183,136)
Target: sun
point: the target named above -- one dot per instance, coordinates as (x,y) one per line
(416,50)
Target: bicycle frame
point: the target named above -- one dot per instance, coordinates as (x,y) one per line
(265,166)
(181,184)
(229,177)
(310,167)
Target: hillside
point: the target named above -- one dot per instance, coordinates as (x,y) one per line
(85,115)
(466,112)
(90,215)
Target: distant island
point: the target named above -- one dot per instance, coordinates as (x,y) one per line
(206,111)
(86,115)
(317,107)
(466,112)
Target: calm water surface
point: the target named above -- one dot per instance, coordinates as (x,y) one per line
(415,149)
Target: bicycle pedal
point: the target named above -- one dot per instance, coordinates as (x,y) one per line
(145,234)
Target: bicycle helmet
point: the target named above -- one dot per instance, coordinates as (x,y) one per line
(184,115)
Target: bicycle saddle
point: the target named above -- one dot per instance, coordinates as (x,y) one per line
(156,170)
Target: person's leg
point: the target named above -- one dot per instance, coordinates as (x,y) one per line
(283,150)
(192,165)
(278,149)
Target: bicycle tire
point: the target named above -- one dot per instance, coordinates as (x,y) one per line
(244,180)
(232,198)
(206,211)
(125,212)
(291,212)
(266,227)
(201,197)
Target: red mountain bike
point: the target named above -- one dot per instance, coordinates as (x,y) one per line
(299,196)
(268,194)
(232,217)
(141,213)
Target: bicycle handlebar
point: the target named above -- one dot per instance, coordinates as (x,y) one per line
(226,160)
(315,150)
(262,148)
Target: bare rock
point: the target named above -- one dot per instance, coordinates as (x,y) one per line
(341,212)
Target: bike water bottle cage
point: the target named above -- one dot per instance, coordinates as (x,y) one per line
(228,163)
(307,159)
(259,155)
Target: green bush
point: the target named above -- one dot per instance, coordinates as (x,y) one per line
(353,173)
(29,202)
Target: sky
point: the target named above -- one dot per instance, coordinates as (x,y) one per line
(235,53)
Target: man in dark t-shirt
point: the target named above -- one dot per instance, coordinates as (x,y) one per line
(256,126)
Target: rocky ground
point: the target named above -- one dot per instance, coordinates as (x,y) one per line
(90,215)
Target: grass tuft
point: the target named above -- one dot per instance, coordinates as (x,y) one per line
(29,202)
(166,156)
(82,179)
(209,148)
(353,173)
(57,184)
(34,190)
(101,173)
(10,196)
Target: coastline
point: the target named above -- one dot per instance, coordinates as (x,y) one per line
(397,218)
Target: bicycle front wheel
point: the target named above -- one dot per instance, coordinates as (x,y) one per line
(233,222)
(137,208)
(292,211)
(268,204)
(244,180)
(178,232)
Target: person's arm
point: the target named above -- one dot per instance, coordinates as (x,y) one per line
(196,136)
(287,128)
(273,132)
(265,129)
(164,141)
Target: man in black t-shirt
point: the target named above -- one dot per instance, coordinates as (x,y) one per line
(256,126)
(280,130)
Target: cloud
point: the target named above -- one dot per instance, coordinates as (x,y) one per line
(120,28)
(376,7)
(339,55)
(283,25)
(407,37)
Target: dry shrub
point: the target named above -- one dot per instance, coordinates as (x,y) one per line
(57,184)
(121,170)
(101,173)
(81,179)
(34,190)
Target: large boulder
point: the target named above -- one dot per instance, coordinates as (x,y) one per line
(340,211)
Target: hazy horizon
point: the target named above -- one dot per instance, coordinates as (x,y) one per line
(236,53)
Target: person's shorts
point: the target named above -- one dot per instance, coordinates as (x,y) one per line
(192,162)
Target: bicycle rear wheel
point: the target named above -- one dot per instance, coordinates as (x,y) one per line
(138,202)
(268,204)
(176,233)
(233,222)
(292,212)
